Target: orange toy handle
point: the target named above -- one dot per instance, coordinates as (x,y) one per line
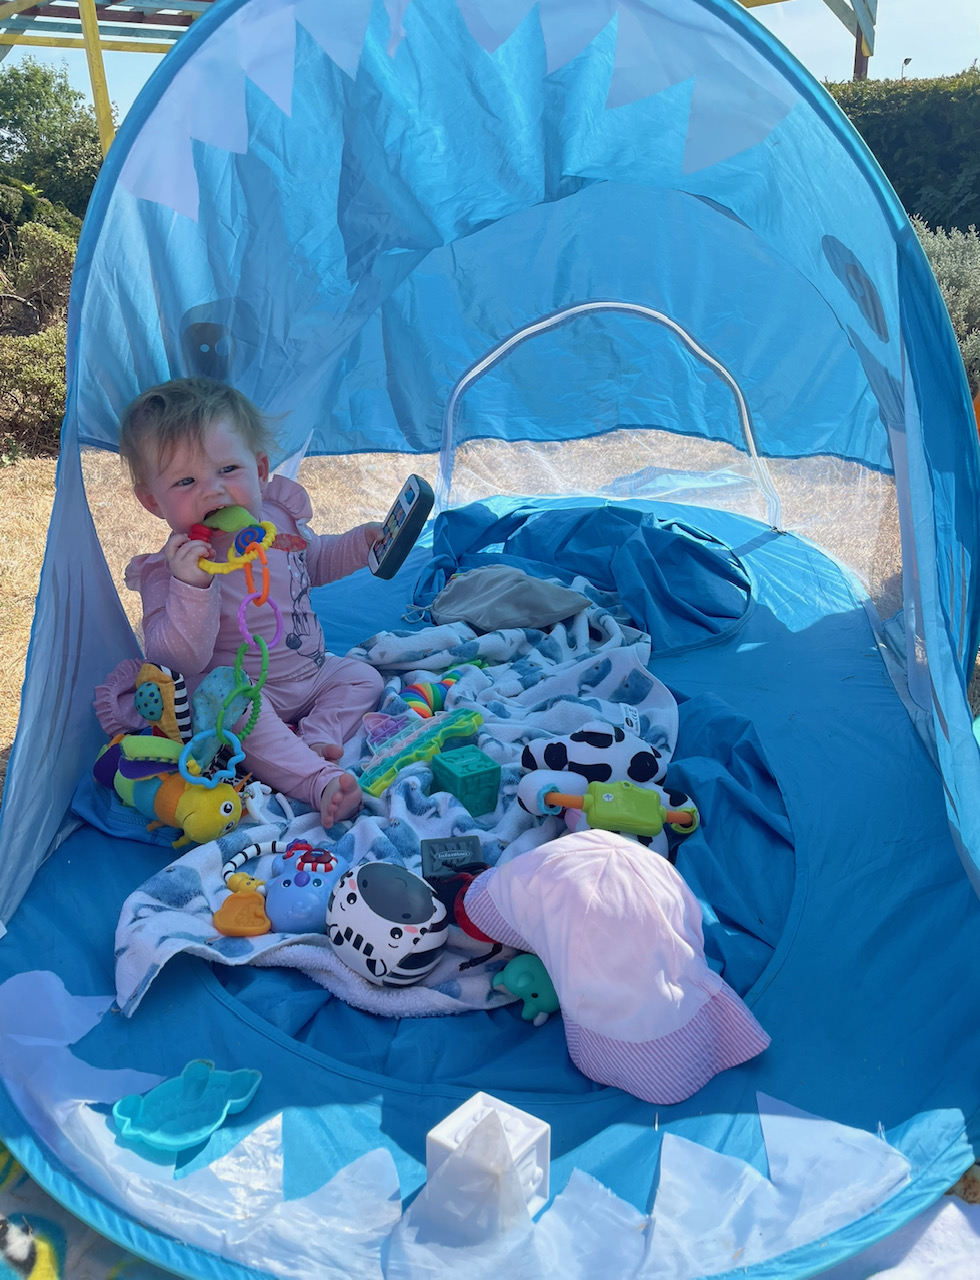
(679,817)
(559,800)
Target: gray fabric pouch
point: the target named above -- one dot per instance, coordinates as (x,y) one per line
(500,596)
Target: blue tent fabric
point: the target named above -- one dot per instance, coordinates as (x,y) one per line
(834,1021)
(512,232)
(678,584)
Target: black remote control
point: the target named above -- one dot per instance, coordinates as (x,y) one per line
(402,525)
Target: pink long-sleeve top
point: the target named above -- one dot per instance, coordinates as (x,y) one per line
(194,629)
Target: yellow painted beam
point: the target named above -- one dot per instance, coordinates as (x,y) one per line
(754,4)
(73,42)
(15,6)
(96,73)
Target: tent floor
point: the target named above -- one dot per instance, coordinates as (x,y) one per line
(873,1018)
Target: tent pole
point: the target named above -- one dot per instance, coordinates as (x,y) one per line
(96,71)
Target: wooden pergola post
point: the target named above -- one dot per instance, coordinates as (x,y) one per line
(96,72)
(861,55)
(858,16)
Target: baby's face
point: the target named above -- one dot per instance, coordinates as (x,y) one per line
(198,479)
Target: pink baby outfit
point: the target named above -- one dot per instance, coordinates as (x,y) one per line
(195,629)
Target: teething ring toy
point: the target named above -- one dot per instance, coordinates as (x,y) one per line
(247,546)
(221,775)
(245,689)
(246,538)
(254,598)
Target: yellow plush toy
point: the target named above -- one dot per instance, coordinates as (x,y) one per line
(143,773)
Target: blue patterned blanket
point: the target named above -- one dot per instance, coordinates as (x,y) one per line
(531,684)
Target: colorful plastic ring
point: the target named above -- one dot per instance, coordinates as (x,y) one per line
(248,637)
(222,775)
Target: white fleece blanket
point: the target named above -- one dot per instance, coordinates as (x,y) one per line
(534,684)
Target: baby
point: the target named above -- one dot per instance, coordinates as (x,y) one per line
(194,446)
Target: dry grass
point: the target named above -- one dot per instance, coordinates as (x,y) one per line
(819,497)
(26,494)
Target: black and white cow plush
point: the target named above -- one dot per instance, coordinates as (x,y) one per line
(599,752)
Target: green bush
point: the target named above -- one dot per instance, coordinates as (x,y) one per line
(48,133)
(32,393)
(21,203)
(11,202)
(41,271)
(955,260)
(35,279)
(925,134)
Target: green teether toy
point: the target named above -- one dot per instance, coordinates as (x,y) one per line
(230,519)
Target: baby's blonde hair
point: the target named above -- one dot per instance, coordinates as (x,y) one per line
(179,412)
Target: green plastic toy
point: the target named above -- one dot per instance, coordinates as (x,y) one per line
(621,806)
(416,743)
(230,519)
(471,776)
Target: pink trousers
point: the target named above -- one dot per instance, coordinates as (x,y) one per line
(326,709)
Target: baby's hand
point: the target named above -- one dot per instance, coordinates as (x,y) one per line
(182,554)
(372,532)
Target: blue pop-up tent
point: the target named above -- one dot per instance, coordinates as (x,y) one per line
(595,267)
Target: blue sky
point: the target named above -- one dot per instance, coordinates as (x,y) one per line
(940,36)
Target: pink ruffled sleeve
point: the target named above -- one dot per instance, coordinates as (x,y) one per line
(330,555)
(114,700)
(333,556)
(180,623)
(289,497)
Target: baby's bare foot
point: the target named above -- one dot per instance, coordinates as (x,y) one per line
(329,750)
(341,799)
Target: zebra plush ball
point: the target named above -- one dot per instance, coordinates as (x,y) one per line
(386,924)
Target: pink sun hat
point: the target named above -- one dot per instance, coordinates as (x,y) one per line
(619,933)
